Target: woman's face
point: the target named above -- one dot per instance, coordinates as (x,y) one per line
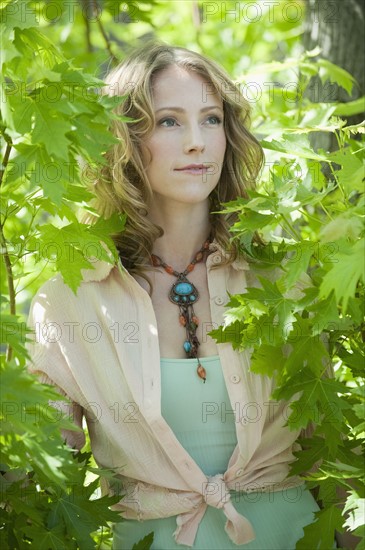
(184,153)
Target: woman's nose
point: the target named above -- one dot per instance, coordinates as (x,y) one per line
(194,139)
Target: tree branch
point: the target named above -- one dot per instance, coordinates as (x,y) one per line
(10,279)
(6,158)
(84,7)
(92,5)
(4,247)
(107,42)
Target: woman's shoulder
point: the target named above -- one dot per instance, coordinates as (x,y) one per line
(61,290)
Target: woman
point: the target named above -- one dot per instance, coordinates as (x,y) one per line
(200,452)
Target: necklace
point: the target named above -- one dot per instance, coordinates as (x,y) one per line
(184,294)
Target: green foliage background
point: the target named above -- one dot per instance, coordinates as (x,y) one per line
(54,129)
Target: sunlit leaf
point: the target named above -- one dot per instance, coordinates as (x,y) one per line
(344,275)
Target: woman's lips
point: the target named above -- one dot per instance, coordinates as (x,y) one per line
(195,169)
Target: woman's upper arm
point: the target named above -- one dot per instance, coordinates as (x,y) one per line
(48,363)
(72,410)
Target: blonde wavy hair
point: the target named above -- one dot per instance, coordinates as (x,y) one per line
(122,185)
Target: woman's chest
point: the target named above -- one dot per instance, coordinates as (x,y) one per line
(172,333)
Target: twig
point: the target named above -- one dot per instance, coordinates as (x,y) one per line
(4,248)
(84,9)
(289,227)
(10,279)
(94,7)
(6,159)
(107,42)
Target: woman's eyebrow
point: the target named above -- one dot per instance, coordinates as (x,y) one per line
(181,110)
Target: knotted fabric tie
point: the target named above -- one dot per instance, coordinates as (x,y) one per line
(214,493)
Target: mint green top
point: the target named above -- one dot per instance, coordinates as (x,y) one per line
(203,421)
(199,413)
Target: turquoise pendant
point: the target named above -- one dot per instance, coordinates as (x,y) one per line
(183,292)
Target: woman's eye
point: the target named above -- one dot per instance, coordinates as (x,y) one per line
(167,122)
(214,120)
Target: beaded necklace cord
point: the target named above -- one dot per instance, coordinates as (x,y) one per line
(184,294)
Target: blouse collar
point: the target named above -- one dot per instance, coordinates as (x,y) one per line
(101,269)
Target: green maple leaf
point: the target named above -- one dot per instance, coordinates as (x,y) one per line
(103,228)
(342,470)
(318,400)
(19,111)
(91,137)
(306,349)
(12,333)
(8,54)
(356,309)
(30,429)
(21,164)
(57,245)
(297,263)
(355,107)
(354,360)
(269,255)
(80,514)
(321,534)
(356,505)
(267,359)
(334,73)
(14,491)
(330,425)
(344,275)
(314,449)
(50,130)
(54,190)
(76,77)
(17,17)
(293,145)
(243,311)
(71,248)
(231,333)
(145,543)
(78,523)
(42,460)
(252,221)
(235,314)
(267,330)
(77,193)
(326,314)
(47,539)
(348,225)
(271,296)
(259,201)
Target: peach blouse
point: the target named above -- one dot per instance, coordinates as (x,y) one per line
(101,348)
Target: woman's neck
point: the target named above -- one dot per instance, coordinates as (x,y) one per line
(185,231)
